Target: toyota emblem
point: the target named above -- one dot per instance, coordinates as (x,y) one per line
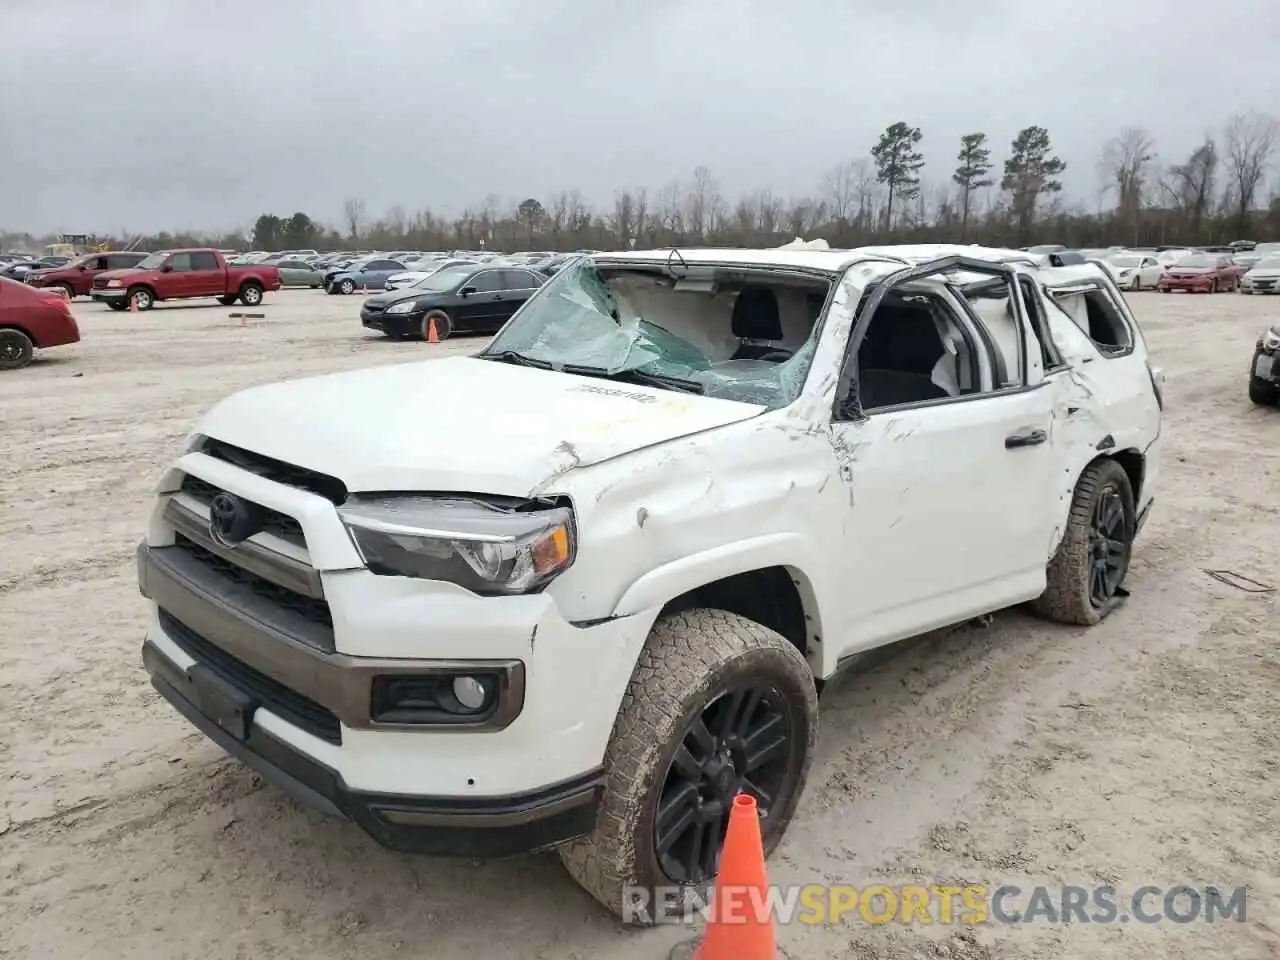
(232,521)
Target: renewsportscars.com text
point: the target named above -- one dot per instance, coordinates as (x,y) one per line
(818,904)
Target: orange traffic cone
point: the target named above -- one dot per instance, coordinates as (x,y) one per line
(432,336)
(133,305)
(737,928)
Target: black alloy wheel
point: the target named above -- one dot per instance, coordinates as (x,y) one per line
(1109,548)
(741,742)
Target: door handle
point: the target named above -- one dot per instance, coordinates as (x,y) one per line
(1028,438)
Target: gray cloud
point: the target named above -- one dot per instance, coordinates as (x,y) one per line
(177,113)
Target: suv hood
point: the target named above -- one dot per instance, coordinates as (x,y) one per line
(458,424)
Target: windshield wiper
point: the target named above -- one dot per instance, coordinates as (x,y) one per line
(511,356)
(637,376)
(630,374)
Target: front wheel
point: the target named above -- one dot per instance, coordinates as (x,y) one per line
(16,350)
(1086,575)
(141,298)
(118,305)
(441,322)
(251,294)
(347,287)
(66,290)
(1263,393)
(1213,287)
(229,300)
(717,705)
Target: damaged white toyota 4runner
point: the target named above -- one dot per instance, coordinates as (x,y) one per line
(582,587)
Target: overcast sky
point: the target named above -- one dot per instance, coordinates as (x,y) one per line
(175,114)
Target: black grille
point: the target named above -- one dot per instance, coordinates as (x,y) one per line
(99,283)
(310,609)
(281,525)
(331,488)
(290,705)
(372,308)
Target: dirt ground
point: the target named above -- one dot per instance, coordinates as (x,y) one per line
(1144,751)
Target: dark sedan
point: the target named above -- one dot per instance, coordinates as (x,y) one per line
(473,298)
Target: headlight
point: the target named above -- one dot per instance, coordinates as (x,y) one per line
(1271,340)
(404,306)
(481,547)
(115,283)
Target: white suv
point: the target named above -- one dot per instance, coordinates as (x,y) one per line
(581,588)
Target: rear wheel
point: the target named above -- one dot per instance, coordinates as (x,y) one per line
(16,349)
(1088,569)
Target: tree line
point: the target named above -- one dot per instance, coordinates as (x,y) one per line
(1214,194)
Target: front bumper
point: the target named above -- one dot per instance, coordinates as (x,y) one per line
(442,826)
(1266,367)
(109,293)
(394,324)
(1197,286)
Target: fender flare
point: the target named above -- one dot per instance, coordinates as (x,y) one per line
(668,581)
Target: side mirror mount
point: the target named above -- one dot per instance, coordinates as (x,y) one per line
(167,268)
(83,268)
(466,291)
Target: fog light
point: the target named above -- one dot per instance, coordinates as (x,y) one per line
(470,692)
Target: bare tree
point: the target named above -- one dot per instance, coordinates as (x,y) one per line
(642,216)
(744,217)
(353,213)
(768,212)
(839,188)
(1192,184)
(557,212)
(624,218)
(670,216)
(1125,165)
(577,217)
(1250,139)
(703,199)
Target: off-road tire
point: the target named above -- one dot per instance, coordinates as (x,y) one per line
(251,294)
(1066,599)
(444,324)
(229,300)
(16,349)
(687,660)
(1262,393)
(142,297)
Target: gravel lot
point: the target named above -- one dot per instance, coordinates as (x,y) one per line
(1141,752)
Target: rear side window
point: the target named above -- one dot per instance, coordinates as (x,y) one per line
(519,280)
(204,260)
(1093,311)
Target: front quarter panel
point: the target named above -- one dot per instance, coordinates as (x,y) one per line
(659,522)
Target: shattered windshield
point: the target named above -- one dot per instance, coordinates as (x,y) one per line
(636,323)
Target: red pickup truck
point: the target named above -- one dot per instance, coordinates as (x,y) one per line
(75,279)
(184,275)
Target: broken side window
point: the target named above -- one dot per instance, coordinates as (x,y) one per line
(1098,317)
